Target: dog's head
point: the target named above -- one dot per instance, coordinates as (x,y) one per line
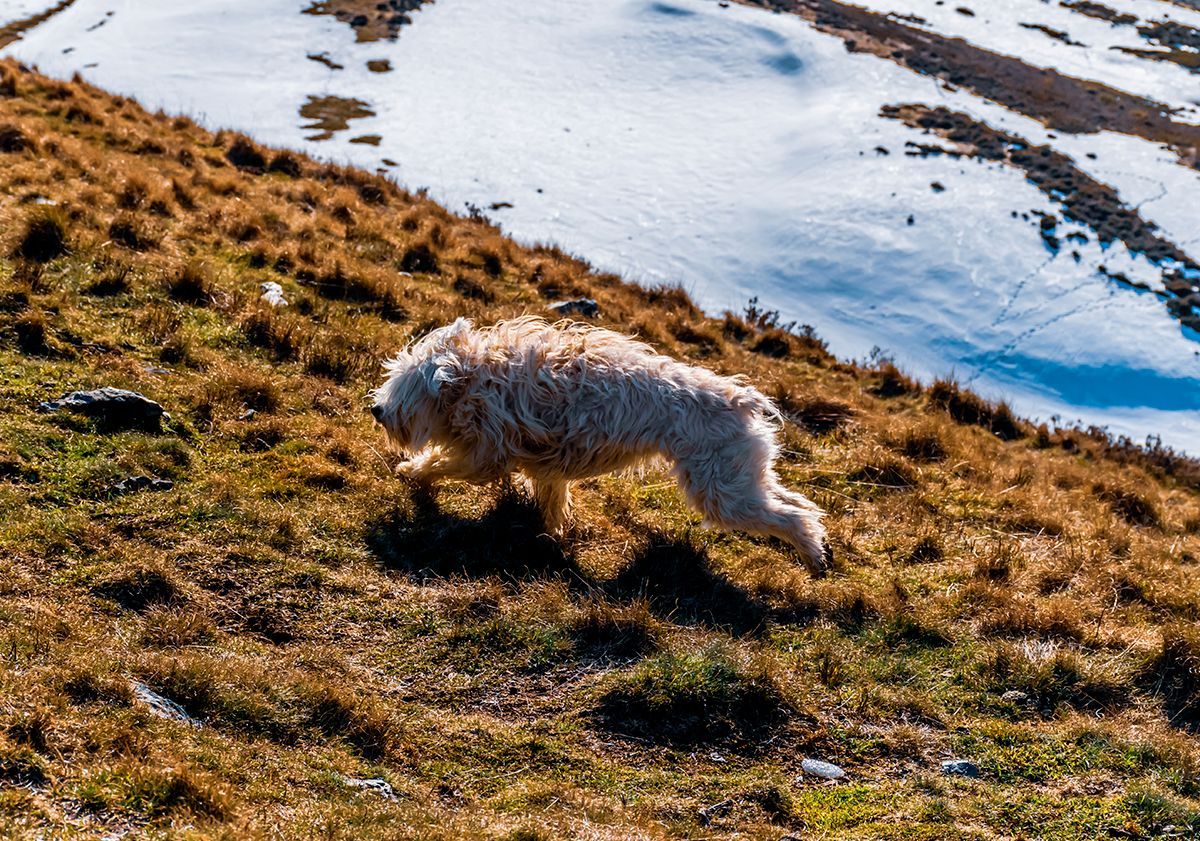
(412,402)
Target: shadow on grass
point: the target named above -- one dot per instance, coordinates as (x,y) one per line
(509,541)
(672,575)
(676,579)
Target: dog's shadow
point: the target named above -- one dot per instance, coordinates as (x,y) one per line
(675,577)
(672,573)
(508,541)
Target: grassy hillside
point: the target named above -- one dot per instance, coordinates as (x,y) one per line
(1020,598)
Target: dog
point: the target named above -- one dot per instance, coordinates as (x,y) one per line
(567,401)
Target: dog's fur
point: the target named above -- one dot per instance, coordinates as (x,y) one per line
(561,402)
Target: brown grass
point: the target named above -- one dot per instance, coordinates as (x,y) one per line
(326,621)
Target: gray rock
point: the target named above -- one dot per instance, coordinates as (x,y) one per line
(824,770)
(380,787)
(160,706)
(584,306)
(709,812)
(1015,696)
(961,768)
(139,483)
(113,408)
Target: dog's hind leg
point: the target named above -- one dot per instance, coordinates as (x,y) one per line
(553,497)
(738,496)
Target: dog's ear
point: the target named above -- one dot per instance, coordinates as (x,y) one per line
(446,366)
(449,336)
(441,370)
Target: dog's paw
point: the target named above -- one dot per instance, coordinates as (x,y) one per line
(817,567)
(413,474)
(405,470)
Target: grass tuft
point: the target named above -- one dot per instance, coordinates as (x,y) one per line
(193,284)
(44,237)
(968,408)
(683,698)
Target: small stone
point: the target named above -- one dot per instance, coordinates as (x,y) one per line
(709,812)
(824,770)
(114,408)
(161,706)
(1014,696)
(961,768)
(138,483)
(584,306)
(375,784)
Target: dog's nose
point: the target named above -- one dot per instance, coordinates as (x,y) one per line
(377,412)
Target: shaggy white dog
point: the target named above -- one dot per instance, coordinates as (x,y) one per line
(561,402)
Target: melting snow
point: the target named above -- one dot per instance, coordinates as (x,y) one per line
(727,149)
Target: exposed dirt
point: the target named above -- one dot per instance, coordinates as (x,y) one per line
(371,20)
(10,32)
(1083,199)
(1051,32)
(1058,101)
(1170,33)
(1099,11)
(323,58)
(1179,42)
(329,114)
(1188,60)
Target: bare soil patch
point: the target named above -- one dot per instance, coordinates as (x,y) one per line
(1082,198)
(1058,101)
(371,20)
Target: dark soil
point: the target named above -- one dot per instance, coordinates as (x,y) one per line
(371,20)
(1058,101)
(1099,11)
(1083,199)
(1051,32)
(329,114)
(10,32)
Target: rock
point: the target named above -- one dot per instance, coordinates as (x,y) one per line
(272,293)
(584,306)
(961,768)
(114,408)
(380,787)
(160,706)
(1015,696)
(138,483)
(709,812)
(824,770)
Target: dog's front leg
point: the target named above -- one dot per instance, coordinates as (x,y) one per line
(436,463)
(424,467)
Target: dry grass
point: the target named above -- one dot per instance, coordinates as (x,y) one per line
(997,587)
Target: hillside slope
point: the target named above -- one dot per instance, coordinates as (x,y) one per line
(1021,598)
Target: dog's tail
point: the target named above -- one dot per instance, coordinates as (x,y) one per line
(754,404)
